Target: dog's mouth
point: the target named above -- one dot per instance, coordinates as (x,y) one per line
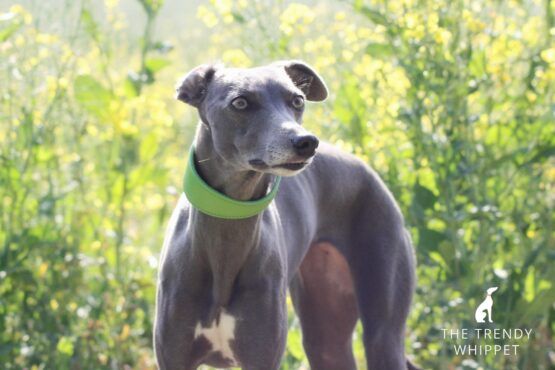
(291,166)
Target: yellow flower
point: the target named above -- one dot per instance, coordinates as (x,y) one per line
(432,22)
(19,41)
(364,33)
(156,201)
(124,332)
(111,4)
(548,55)
(17,9)
(207,16)
(43,53)
(348,55)
(532,30)
(339,16)
(30,63)
(223,6)
(473,24)
(126,128)
(42,269)
(294,17)
(411,20)
(442,36)
(236,57)
(228,18)
(95,246)
(27,18)
(45,38)
(103,358)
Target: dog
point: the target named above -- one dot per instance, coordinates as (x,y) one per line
(268,207)
(484,309)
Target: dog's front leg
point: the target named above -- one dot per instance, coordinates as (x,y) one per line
(262,326)
(173,333)
(489,313)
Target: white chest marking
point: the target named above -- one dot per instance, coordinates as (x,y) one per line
(219,335)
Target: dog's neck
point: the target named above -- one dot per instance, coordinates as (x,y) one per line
(222,176)
(225,243)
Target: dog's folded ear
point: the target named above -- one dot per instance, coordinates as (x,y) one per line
(192,88)
(306,79)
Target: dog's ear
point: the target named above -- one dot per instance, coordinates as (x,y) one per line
(192,88)
(306,79)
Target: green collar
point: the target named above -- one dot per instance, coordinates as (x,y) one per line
(215,204)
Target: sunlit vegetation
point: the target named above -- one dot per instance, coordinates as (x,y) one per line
(452,102)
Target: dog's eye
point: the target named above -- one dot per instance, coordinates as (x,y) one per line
(240,103)
(297,102)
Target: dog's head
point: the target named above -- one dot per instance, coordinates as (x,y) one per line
(491,290)
(254,115)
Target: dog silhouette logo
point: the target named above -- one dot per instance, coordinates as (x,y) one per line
(484,309)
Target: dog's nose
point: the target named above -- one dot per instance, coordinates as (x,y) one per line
(305,145)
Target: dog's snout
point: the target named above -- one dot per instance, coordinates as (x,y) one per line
(305,145)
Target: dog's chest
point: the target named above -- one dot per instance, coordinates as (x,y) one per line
(219,334)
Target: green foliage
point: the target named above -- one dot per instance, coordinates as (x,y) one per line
(450,101)
(91,95)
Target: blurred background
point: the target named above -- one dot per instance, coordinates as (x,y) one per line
(451,101)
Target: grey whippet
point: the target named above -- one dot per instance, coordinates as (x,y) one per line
(333,234)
